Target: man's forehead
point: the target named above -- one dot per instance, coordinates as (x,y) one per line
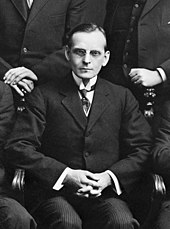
(91,40)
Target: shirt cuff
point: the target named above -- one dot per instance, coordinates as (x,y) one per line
(116,182)
(59,183)
(162,74)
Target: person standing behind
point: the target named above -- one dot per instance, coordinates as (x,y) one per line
(68,137)
(32,36)
(138,38)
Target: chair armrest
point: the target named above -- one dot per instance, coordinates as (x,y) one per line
(149,98)
(159,189)
(158,192)
(19,175)
(19,180)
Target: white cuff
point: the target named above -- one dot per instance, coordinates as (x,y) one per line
(59,183)
(162,73)
(116,182)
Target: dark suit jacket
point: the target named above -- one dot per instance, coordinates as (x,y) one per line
(53,133)
(161,150)
(37,42)
(7,118)
(153,35)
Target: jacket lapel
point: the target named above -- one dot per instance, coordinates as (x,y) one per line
(148,6)
(36,7)
(72,102)
(100,103)
(21,7)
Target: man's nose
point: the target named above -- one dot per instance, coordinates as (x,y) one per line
(87,59)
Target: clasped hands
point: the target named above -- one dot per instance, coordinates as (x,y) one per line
(21,79)
(87,184)
(144,77)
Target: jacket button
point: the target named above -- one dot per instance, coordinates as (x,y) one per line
(25,50)
(131,30)
(136,5)
(86,154)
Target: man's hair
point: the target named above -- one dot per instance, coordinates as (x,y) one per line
(87,28)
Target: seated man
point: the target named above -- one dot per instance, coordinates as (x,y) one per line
(12,214)
(161,162)
(67,139)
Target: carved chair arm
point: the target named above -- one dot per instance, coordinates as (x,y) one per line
(159,186)
(157,195)
(149,97)
(19,180)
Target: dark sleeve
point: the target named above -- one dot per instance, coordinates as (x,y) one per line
(23,149)
(161,150)
(4,67)
(135,144)
(56,63)
(7,113)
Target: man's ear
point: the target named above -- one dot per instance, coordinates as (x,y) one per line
(106,58)
(67,52)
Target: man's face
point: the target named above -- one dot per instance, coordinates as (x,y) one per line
(87,54)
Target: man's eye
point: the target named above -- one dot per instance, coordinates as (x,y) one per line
(95,53)
(80,52)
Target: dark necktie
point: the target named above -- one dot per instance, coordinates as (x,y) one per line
(85,101)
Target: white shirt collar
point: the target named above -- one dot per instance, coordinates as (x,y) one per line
(80,83)
(30,2)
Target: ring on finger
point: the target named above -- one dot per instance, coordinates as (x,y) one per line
(24,91)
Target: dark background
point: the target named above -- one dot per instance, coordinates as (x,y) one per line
(95,11)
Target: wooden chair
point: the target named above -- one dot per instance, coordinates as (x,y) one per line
(149,96)
(158,194)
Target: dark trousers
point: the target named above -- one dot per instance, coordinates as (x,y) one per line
(71,212)
(14,216)
(163,220)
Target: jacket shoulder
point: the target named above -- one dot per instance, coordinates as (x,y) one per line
(117,89)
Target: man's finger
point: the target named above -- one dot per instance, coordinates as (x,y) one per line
(12,73)
(29,83)
(24,86)
(85,189)
(18,90)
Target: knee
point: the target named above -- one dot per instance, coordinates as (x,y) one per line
(61,221)
(122,222)
(22,217)
(71,225)
(13,215)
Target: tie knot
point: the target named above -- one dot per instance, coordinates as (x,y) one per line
(83,93)
(85,101)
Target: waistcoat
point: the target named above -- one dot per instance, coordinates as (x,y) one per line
(123,41)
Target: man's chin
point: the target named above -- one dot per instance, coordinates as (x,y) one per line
(85,76)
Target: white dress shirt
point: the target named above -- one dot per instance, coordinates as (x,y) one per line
(81,86)
(162,73)
(30,3)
